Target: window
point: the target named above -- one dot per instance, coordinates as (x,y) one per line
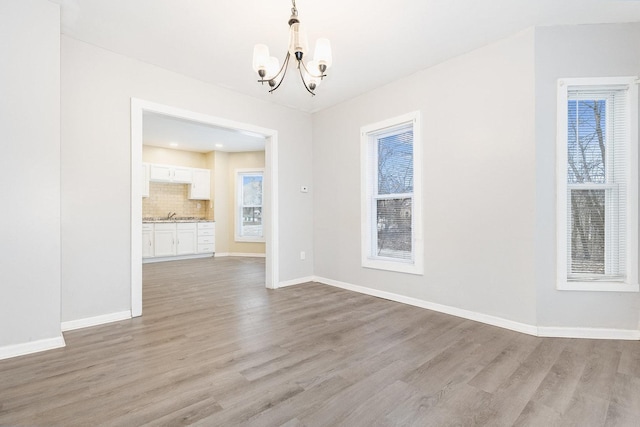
(249,206)
(391,198)
(597,184)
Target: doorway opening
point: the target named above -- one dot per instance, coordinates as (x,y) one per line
(270,221)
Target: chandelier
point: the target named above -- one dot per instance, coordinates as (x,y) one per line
(311,73)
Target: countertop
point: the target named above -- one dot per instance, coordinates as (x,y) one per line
(175,219)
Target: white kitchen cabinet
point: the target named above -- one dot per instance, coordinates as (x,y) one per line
(164,240)
(182,175)
(206,237)
(147,240)
(167,173)
(187,236)
(200,188)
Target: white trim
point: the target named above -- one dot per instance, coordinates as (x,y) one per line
(270,201)
(631,283)
(596,286)
(23,349)
(240,254)
(95,321)
(137,107)
(558,332)
(416,265)
(298,281)
(272,213)
(590,333)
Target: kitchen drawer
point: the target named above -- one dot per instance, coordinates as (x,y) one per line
(210,248)
(206,225)
(186,226)
(206,232)
(205,239)
(147,227)
(165,226)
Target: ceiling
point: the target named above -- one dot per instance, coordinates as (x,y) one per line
(374,42)
(179,134)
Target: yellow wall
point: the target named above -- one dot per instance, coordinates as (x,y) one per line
(224,193)
(167,156)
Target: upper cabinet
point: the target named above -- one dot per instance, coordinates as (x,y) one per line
(166,173)
(200,188)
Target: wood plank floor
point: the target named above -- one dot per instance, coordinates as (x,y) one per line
(215,348)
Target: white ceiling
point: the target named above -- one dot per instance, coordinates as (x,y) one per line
(178,134)
(374,41)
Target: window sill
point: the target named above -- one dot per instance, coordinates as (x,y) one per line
(249,240)
(596,286)
(397,266)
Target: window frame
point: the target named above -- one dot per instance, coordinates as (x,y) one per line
(586,282)
(239,205)
(368,135)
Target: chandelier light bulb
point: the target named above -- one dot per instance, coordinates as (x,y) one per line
(322,54)
(260,58)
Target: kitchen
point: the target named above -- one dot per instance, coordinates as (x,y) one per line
(195,199)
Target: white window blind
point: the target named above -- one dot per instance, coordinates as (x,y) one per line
(597,170)
(392,193)
(391,206)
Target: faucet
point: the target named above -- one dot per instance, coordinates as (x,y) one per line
(171,215)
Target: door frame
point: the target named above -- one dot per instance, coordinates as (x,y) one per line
(138,107)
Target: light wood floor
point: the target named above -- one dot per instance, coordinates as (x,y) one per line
(214,348)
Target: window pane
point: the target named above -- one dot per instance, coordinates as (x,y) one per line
(252,190)
(395,163)
(587,217)
(586,141)
(252,222)
(394,228)
(250,212)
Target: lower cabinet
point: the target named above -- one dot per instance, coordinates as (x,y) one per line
(171,239)
(206,237)
(164,240)
(187,236)
(147,240)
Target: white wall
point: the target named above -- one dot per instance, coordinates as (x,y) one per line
(479,182)
(97,86)
(574,51)
(30,163)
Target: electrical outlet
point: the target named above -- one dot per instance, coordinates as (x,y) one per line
(303,255)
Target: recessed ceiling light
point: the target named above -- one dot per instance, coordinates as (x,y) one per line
(219,145)
(173,144)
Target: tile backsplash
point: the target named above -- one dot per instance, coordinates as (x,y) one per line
(164,198)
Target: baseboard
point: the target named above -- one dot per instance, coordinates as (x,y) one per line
(557,332)
(297,281)
(23,349)
(240,254)
(95,321)
(591,333)
(175,258)
(454,311)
